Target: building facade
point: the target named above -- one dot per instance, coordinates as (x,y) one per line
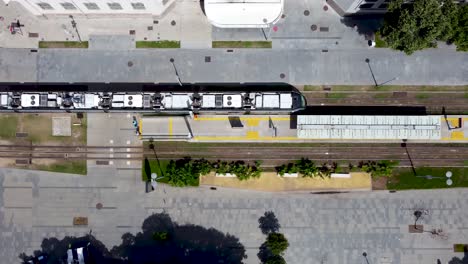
(94,7)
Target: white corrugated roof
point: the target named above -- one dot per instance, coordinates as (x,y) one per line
(243,13)
(369,127)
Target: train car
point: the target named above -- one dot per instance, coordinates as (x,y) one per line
(262,101)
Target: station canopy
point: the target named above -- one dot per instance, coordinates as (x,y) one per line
(243,13)
(369,127)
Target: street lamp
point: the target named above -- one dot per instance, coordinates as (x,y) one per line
(367,60)
(154,178)
(364,254)
(269,29)
(73,23)
(175,70)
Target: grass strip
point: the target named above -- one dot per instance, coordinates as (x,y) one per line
(163,44)
(242,44)
(405,179)
(73,167)
(63,44)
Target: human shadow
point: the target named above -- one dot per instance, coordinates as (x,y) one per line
(457,260)
(161,241)
(268,223)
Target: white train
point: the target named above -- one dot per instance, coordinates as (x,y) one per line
(160,102)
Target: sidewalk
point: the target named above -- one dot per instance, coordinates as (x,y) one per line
(183,21)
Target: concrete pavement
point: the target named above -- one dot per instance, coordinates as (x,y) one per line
(335,67)
(330,228)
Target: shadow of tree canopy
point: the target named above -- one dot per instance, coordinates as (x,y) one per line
(56,250)
(457,260)
(160,241)
(268,223)
(365,25)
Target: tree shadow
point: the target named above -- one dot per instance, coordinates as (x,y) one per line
(56,250)
(160,241)
(365,25)
(164,241)
(457,260)
(268,223)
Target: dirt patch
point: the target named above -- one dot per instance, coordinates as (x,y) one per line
(379,183)
(270,181)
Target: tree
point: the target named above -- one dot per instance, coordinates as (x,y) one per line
(287,168)
(461,30)
(412,27)
(186,172)
(307,168)
(449,21)
(275,259)
(277,243)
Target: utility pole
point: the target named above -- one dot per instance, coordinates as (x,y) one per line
(73,23)
(175,70)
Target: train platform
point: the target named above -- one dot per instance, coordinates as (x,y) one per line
(286,128)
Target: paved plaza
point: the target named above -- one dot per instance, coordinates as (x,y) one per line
(321,228)
(297,67)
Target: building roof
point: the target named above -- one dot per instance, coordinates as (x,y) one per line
(243,13)
(369,127)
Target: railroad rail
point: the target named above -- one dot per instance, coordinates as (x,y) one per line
(419,155)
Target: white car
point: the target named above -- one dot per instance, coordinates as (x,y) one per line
(76,256)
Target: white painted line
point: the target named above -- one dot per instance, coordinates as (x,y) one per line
(128,155)
(111,162)
(128,162)
(128,142)
(111,155)
(128,149)
(128,115)
(111,149)
(111,141)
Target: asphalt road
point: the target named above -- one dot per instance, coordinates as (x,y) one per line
(297,67)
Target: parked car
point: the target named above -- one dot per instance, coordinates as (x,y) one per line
(42,259)
(77,255)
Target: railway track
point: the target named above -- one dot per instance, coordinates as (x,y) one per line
(453,102)
(419,155)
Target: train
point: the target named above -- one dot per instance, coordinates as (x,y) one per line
(197,99)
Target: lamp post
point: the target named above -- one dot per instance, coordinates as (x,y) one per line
(73,23)
(175,70)
(154,178)
(364,254)
(269,29)
(372,73)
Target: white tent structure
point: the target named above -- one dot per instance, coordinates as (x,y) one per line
(243,13)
